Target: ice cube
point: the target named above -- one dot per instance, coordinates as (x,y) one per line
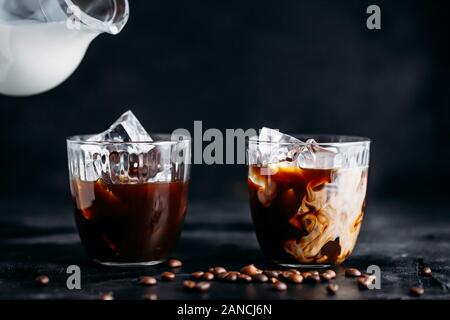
(126,129)
(273,135)
(88,160)
(120,159)
(312,155)
(275,147)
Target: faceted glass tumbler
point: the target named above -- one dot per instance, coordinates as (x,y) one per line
(130,198)
(308,205)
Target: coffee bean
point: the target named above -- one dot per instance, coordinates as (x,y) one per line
(231,277)
(189,284)
(365,281)
(151,296)
(203,286)
(272,273)
(325,276)
(197,274)
(208,276)
(280,286)
(42,280)
(352,272)
(251,270)
(416,291)
(332,288)
(168,276)
(273,280)
(295,271)
(328,275)
(222,275)
(244,278)
(426,272)
(106,296)
(174,263)
(147,281)
(296,278)
(217,270)
(306,274)
(311,277)
(260,278)
(285,275)
(313,273)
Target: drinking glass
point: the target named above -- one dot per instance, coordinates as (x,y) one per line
(307,209)
(130,198)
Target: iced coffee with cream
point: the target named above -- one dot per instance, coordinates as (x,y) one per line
(307,196)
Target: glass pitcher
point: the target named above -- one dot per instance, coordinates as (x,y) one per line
(42,42)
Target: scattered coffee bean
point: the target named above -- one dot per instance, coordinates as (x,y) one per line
(168,276)
(217,270)
(272,273)
(285,275)
(147,281)
(42,280)
(222,275)
(352,272)
(273,280)
(296,278)
(260,278)
(365,281)
(328,275)
(251,270)
(426,272)
(325,276)
(106,296)
(295,271)
(151,296)
(244,278)
(311,277)
(231,277)
(208,276)
(189,284)
(280,286)
(197,274)
(416,291)
(174,263)
(332,288)
(203,286)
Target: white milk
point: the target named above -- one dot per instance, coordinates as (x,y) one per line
(37,56)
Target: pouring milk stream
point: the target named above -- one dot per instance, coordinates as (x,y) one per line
(42,42)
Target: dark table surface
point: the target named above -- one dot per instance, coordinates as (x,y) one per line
(40,238)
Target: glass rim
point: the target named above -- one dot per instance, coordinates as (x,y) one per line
(166,140)
(113,25)
(331,140)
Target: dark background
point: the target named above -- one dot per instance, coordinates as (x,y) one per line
(300,66)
